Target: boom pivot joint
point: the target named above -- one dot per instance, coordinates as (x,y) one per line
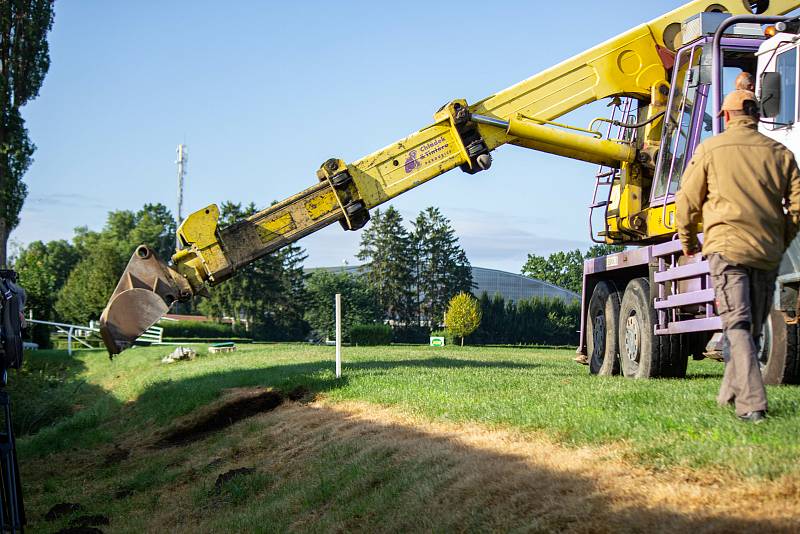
(354,212)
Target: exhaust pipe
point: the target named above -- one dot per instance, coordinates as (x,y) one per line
(145,292)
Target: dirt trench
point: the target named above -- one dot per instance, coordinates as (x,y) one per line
(237,405)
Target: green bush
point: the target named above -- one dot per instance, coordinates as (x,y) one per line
(371,334)
(197,329)
(39,334)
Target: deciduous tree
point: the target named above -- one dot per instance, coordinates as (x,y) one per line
(24,61)
(359,303)
(43,269)
(565,269)
(463,316)
(89,285)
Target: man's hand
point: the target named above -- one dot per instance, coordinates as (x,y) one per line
(689,252)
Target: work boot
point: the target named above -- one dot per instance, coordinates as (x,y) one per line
(581,359)
(756,417)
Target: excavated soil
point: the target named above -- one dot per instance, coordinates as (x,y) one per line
(222,417)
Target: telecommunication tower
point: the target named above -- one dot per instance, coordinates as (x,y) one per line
(182,162)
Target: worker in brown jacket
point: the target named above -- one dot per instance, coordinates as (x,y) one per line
(745,190)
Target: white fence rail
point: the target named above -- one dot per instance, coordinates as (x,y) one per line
(78,333)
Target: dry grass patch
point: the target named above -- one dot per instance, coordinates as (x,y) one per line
(325,466)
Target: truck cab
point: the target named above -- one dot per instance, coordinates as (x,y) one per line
(646,310)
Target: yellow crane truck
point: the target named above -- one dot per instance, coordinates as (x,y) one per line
(645,310)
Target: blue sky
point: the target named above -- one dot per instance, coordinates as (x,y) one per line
(263,92)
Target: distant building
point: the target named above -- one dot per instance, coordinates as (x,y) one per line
(510,286)
(516,287)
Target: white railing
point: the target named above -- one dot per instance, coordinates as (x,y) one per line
(153,335)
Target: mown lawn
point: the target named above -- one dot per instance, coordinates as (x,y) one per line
(661,424)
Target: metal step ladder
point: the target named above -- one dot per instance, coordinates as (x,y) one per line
(605,177)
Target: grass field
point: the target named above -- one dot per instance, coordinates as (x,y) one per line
(386,435)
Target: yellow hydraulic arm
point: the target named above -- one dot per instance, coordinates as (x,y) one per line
(634,64)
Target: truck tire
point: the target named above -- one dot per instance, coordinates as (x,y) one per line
(779,355)
(602,327)
(676,360)
(642,354)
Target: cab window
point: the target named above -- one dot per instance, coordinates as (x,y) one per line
(786,66)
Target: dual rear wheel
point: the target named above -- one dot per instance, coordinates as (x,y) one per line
(620,335)
(620,339)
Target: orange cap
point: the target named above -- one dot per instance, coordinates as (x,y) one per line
(736,99)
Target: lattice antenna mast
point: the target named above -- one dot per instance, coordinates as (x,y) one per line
(182,161)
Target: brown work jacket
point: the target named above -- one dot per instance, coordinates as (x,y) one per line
(744,188)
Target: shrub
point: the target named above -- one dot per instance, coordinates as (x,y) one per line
(463,315)
(39,334)
(371,334)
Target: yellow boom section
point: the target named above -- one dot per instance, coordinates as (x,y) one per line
(630,64)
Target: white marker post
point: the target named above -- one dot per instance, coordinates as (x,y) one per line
(338,335)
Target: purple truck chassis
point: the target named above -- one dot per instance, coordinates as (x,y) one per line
(680,287)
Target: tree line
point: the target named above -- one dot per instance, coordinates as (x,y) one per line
(409,277)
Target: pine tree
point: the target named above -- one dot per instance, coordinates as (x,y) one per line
(386,244)
(443,269)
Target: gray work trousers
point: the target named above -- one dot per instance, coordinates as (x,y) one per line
(744,298)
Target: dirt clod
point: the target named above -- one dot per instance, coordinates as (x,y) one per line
(300,394)
(229,475)
(216,462)
(89,521)
(123,493)
(116,456)
(57,511)
(223,417)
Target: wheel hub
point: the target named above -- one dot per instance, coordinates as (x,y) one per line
(632,337)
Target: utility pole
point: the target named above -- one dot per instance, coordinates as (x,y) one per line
(182,162)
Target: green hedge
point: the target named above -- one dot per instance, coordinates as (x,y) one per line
(538,321)
(411,334)
(197,329)
(371,334)
(243,340)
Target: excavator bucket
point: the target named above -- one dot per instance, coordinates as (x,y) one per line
(145,292)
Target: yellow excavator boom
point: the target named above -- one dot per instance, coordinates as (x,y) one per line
(632,64)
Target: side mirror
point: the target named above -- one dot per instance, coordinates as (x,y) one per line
(693,78)
(770,95)
(705,71)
